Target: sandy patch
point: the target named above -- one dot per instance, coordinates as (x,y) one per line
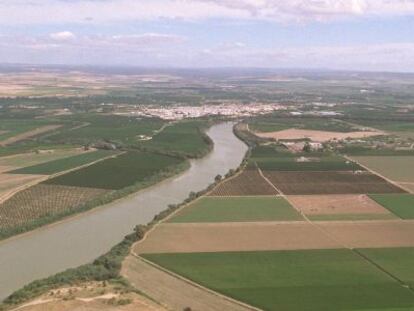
(170,291)
(319,136)
(171,238)
(29,134)
(388,233)
(336,204)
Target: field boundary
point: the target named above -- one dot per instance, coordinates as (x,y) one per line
(192,283)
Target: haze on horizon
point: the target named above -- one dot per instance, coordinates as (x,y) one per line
(371,35)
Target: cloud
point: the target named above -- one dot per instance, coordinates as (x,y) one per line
(13,12)
(62,36)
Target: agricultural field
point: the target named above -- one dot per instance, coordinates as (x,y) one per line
(291,280)
(237,209)
(306,163)
(330,182)
(14,130)
(247,183)
(119,172)
(397,168)
(90,128)
(64,164)
(401,205)
(34,158)
(41,201)
(340,207)
(185,138)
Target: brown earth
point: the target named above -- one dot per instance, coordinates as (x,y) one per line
(408,186)
(41,200)
(90,298)
(319,136)
(10,183)
(29,134)
(332,182)
(217,237)
(366,234)
(336,204)
(249,182)
(171,291)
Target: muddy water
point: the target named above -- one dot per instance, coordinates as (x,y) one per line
(80,239)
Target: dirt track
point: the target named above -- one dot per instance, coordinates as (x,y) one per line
(29,134)
(168,290)
(319,136)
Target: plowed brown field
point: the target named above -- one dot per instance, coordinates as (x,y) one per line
(249,182)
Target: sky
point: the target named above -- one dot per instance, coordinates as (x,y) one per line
(366,35)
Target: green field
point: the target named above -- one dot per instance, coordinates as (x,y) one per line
(29,159)
(397,168)
(90,128)
(117,173)
(12,127)
(311,280)
(401,205)
(397,261)
(234,209)
(273,124)
(184,138)
(327,163)
(60,165)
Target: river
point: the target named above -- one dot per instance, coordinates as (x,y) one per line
(80,239)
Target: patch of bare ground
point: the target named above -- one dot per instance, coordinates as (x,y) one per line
(12,183)
(220,237)
(319,136)
(43,200)
(249,182)
(332,182)
(173,292)
(371,234)
(408,186)
(29,134)
(90,297)
(336,204)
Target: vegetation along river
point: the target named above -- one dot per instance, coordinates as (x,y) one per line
(84,237)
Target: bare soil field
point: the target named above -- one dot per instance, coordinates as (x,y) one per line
(318,136)
(336,204)
(396,168)
(332,182)
(254,236)
(43,200)
(173,292)
(372,234)
(90,297)
(11,182)
(29,134)
(249,182)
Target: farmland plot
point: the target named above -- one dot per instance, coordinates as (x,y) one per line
(249,182)
(331,182)
(322,280)
(42,201)
(237,209)
(401,205)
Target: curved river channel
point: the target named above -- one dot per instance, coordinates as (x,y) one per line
(84,237)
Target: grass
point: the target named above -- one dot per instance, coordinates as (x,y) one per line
(397,261)
(397,168)
(234,209)
(401,205)
(184,138)
(117,173)
(292,280)
(60,165)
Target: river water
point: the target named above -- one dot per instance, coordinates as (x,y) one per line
(84,237)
